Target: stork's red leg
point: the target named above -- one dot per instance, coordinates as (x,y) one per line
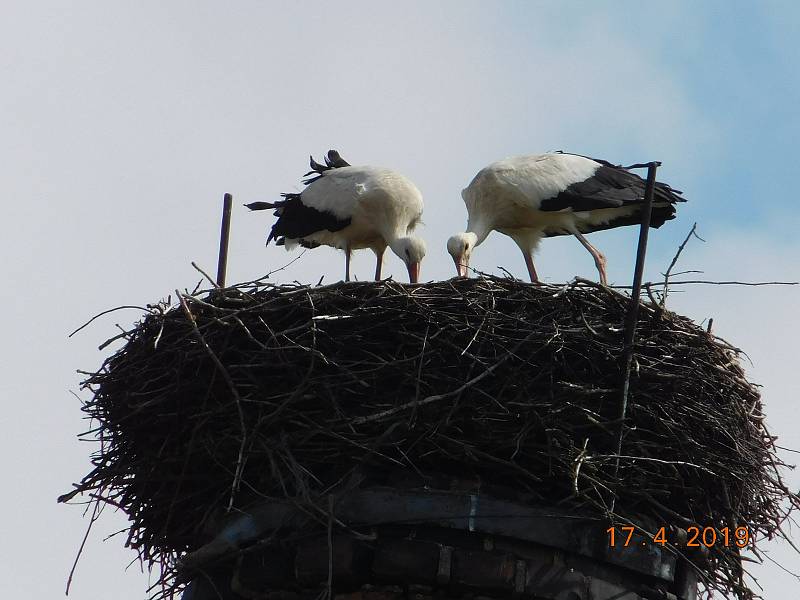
(379,264)
(599,259)
(531,269)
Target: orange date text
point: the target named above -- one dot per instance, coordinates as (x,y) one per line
(696,537)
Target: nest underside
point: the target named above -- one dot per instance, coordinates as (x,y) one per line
(284,391)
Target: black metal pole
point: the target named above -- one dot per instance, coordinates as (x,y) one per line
(631,318)
(224,238)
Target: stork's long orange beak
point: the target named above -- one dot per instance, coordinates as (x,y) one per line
(413,272)
(462,264)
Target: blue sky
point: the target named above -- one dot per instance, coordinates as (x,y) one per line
(124,123)
(736,66)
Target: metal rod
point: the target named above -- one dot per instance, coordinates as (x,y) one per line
(224,238)
(631,317)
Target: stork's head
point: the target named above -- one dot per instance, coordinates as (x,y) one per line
(460,248)
(412,250)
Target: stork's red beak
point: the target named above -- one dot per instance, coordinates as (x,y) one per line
(462,264)
(413,272)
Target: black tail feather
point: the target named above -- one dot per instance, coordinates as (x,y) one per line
(333,160)
(260,205)
(316,167)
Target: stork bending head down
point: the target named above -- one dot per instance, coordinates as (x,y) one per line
(532,197)
(350,208)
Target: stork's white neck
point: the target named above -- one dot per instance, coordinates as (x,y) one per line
(479,229)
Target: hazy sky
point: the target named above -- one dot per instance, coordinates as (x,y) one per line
(123,123)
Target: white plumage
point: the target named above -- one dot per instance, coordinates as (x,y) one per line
(542,195)
(352,207)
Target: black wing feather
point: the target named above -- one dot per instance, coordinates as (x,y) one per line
(660,215)
(613,186)
(296,220)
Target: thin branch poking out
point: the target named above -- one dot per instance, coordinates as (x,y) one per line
(665,292)
(206,275)
(92,519)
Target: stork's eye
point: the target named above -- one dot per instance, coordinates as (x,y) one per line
(466,246)
(408,254)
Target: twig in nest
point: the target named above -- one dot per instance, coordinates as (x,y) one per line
(105,312)
(437,397)
(578,462)
(206,275)
(237,477)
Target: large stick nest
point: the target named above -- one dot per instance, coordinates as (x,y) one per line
(282,391)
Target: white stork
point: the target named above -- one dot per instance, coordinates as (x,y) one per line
(351,208)
(543,195)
